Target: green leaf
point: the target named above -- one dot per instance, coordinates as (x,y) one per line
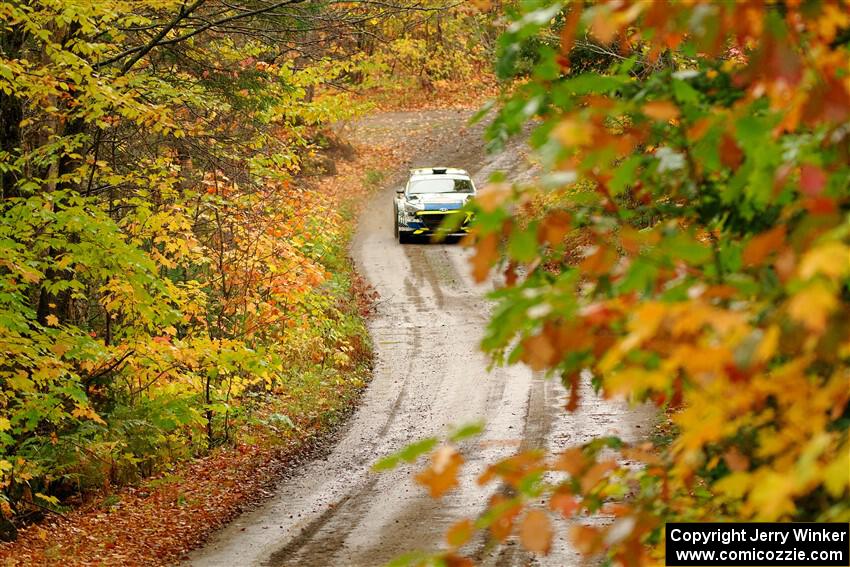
(624,174)
(467,431)
(523,245)
(684,247)
(685,93)
(408,454)
(593,83)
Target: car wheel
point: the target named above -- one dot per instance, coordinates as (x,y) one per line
(395,221)
(403,237)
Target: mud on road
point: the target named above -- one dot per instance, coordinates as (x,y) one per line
(429,375)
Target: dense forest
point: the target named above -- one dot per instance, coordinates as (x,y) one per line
(167,268)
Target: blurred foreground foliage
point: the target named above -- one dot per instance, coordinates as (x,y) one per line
(687,245)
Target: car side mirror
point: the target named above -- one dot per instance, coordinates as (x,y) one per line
(400,190)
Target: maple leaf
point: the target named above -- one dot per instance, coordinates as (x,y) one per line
(52,320)
(441,476)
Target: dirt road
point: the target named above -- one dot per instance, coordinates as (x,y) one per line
(429,376)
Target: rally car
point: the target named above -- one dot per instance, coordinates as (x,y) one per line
(431,195)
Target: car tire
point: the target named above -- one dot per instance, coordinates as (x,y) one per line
(395,221)
(403,237)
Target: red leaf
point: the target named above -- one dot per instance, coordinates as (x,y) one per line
(812,180)
(730,154)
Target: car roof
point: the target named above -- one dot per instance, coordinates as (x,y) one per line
(424,172)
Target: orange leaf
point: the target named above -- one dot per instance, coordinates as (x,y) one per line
(604,26)
(492,196)
(535,533)
(504,523)
(441,476)
(460,533)
(587,540)
(452,560)
(554,228)
(592,477)
(564,502)
(760,246)
(736,461)
(482,5)
(661,110)
(486,253)
(538,352)
(572,403)
(568,32)
(571,461)
(599,261)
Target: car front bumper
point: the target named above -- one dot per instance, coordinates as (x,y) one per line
(430,222)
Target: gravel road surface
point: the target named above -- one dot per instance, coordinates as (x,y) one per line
(429,376)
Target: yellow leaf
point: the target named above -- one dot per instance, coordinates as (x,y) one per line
(771,498)
(812,306)
(535,533)
(831,259)
(768,344)
(837,474)
(5,424)
(52,320)
(572,132)
(636,380)
(87,412)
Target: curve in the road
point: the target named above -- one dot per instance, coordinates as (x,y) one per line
(429,374)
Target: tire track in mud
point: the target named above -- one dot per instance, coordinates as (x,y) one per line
(429,374)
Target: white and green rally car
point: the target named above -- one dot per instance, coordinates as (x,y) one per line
(432,194)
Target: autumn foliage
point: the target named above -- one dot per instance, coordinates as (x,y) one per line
(170,270)
(687,244)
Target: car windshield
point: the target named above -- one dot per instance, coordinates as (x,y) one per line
(440,185)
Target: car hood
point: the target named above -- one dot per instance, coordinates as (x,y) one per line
(439,201)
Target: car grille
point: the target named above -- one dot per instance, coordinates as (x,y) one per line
(433,220)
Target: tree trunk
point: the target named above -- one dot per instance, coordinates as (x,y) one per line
(11,114)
